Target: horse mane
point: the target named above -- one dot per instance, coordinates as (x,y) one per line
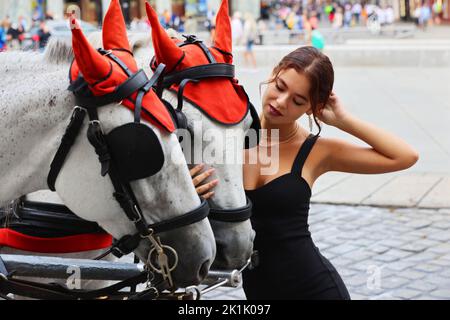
(58,50)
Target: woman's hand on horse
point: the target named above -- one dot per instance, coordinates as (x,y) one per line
(203,189)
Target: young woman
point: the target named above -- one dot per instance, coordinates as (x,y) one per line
(290,265)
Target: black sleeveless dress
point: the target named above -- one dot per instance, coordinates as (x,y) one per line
(290,265)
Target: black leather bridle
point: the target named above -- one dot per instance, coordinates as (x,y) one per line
(194,74)
(123,193)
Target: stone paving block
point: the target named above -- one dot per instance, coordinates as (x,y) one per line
(441,224)
(400,265)
(428,268)
(385,296)
(406,294)
(441,262)
(439,196)
(413,274)
(377,248)
(422,257)
(346,273)
(394,282)
(440,236)
(445,273)
(437,279)
(385,258)
(441,294)
(392,243)
(341,261)
(414,247)
(418,224)
(357,280)
(405,190)
(425,297)
(363,242)
(368,291)
(343,248)
(422,286)
(440,248)
(399,253)
(359,255)
(353,235)
(356,296)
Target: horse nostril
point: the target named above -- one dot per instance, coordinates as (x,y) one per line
(203,272)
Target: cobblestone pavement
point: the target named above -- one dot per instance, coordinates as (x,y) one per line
(381,253)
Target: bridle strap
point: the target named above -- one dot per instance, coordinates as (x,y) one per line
(128,243)
(126,89)
(232,215)
(214,70)
(67,141)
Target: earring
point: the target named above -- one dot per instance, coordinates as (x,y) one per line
(310,123)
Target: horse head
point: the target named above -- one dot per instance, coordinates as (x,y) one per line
(141,193)
(207,100)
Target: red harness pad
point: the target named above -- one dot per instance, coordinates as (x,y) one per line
(69,244)
(154,110)
(223,100)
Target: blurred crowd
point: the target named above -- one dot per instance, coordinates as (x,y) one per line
(20,35)
(292,15)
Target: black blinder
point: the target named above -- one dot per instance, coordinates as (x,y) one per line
(255,127)
(135,150)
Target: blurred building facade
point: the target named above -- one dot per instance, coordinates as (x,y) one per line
(94,10)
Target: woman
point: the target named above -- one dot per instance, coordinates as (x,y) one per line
(291,266)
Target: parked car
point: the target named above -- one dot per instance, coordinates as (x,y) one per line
(57,28)
(61,28)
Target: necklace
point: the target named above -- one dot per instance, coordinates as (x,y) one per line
(286,140)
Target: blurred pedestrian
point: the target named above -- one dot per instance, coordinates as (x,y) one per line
(3,30)
(237,28)
(425,15)
(44,35)
(250,34)
(13,36)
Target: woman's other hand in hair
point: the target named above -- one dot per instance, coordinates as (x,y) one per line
(333,113)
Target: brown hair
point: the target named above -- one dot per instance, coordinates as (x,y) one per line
(317,67)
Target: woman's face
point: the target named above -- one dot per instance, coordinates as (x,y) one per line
(286,98)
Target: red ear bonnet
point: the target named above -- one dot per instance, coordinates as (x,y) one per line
(231,105)
(103,75)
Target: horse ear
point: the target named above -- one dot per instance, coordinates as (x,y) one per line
(222,39)
(114,29)
(166,51)
(92,64)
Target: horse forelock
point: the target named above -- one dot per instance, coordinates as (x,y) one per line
(59,50)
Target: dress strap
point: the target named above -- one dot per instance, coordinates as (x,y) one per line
(303,153)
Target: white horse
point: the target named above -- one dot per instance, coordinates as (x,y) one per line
(35,110)
(234,240)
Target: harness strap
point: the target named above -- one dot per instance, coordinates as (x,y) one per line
(181,91)
(128,243)
(126,89)
(57,292)
(67,141)
(192,39)
(53,220)
(232,215)
(222,70)
(3,270)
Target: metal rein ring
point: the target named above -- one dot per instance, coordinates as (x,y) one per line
(172,250)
